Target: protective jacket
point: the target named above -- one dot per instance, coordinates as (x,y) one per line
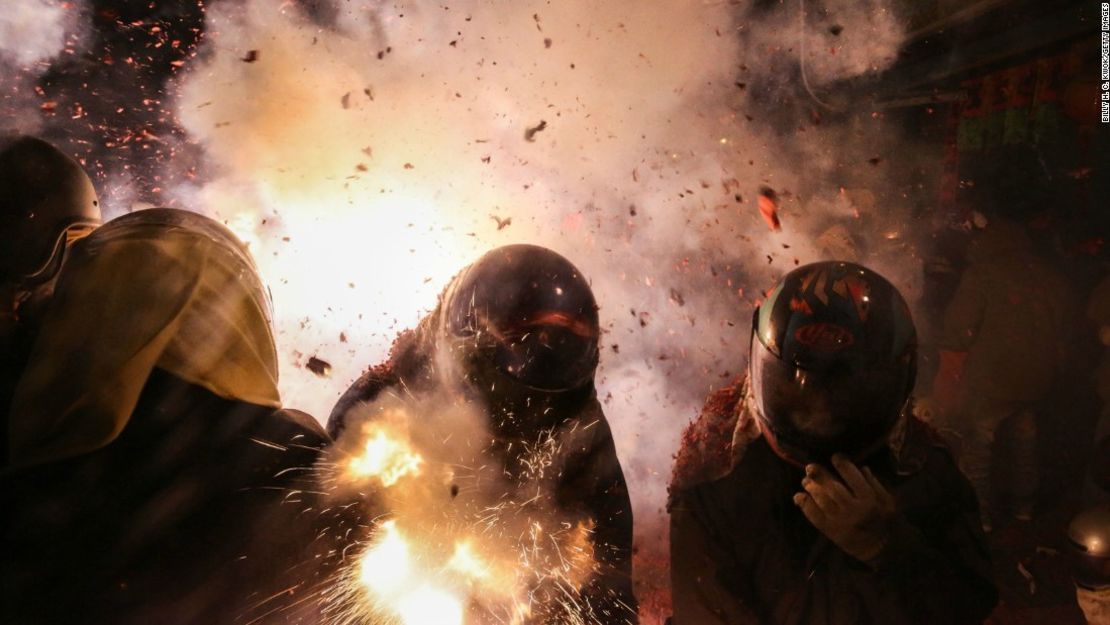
(743,553)
(155,476)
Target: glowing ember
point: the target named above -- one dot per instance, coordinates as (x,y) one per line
(427,605)
(386,564)
(387,570)
(385,458)
(467,563)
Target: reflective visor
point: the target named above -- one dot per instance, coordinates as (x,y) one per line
(552,351)
(810,415)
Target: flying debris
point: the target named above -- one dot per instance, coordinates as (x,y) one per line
(318,366)
(251,56)
(768,207)
(502,223)
(530,134)
(677,298)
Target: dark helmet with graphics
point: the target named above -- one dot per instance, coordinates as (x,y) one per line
(833,361)
(46,200)
(1089,548)
(526,314)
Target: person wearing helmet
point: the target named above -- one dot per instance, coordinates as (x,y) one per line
(152,464)
(1000,355)
(1089,553)
(1098,312)
(46,203)
(516,333)
(807,492)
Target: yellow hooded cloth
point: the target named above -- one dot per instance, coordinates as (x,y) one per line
(159,288)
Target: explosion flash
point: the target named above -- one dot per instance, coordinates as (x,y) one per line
(488,551)
(385,458)
(399,588)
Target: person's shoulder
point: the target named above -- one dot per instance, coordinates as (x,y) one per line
(708,448)
(925,457)
(304,429)
(364,390)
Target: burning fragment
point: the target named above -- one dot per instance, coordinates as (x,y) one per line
(1028,577)
(318,366)
(530,134)
(768,207)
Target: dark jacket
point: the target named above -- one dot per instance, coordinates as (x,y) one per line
(201,511)
(591,480)
(1008,315)
(742,552)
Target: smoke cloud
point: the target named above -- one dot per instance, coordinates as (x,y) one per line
(33,33)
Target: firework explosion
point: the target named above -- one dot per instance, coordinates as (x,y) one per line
(457,539)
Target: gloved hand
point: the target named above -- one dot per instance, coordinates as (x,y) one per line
(854,511)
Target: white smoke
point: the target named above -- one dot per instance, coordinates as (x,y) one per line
(33,33)
(370,153)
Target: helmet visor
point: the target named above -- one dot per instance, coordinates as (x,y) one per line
(551,351)
(812,414)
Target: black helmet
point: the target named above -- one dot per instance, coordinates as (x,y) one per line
(527,313)
(833,361)
(45,199)
(1089,542)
